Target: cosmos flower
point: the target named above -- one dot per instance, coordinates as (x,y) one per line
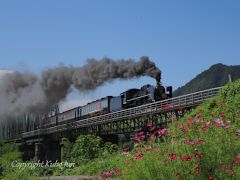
(198,169)
(198,120)
(186,158)
(180,126)
(152,128)
(199,156)
(221,113)
(237,160)
(116,170)
(162,131)
(173,156)
(149,124)
(210,177)
(136,138)
(232,172)
(190,143)
(138,157)
(190,119)
(107,174)
(207,124)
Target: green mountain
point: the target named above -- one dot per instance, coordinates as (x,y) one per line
(216,75)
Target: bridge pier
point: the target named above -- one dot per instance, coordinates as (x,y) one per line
(38,155)
(123,138)
(27,150)
(47,151)
(53,151)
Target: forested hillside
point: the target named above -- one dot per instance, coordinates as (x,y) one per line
(216,75)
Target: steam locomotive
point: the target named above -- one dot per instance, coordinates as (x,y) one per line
(130,98)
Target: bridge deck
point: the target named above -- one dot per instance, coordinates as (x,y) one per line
(188,100)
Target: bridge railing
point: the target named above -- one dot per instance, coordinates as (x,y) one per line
(155,107)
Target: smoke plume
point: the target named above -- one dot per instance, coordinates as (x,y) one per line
(25,92)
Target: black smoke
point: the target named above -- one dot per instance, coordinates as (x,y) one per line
(24,92)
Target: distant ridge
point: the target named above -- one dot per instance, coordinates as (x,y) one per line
(216,75)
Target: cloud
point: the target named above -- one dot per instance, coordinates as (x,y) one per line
(3,72)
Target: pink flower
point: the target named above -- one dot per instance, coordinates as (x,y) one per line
(237,160)
(152,128)
(190,119)
(188,123)
(173,156)
(116,170)
(141,133)
(207,124)
(136,144)
(186,158)
(226,122)
(169,106)
(220,122)
(140,156)
(198,169)
(210,177)
(136,138)
(107,174)
(222,113)
(180,126)
(149,124)
(162,131)
(232,172)
(199,156)
(125,153)
(190,143)
(198,120)
(151,138)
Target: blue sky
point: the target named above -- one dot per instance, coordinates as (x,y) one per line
(182,37)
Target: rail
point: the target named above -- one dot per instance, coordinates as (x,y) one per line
(155,107)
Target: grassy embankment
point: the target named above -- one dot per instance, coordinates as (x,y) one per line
(204,144)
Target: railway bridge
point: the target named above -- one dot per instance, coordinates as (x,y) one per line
(44,144)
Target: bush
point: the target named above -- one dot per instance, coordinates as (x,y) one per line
(110,148)
(86,147)
(89,147)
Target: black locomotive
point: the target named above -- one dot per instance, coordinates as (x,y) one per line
(144,95)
